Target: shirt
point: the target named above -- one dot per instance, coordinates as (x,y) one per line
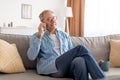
(56,44)
(43,50)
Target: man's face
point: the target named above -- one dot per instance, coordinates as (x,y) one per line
(50,20)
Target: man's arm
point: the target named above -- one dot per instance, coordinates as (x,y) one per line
(70,45)
(35,42)
(34,47)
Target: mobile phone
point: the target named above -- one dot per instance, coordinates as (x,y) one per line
(44,28)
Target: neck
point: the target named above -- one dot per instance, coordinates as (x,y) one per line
(52,31)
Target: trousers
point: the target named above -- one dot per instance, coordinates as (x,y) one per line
(78,63)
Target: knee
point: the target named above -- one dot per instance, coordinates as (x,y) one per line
(79,69)
(79,62)
(82,48)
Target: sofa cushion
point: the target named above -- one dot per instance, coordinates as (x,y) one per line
(10,61)
(114,36)
(22,43)
(98,46)
(112,74)
(115,53)
(28,75)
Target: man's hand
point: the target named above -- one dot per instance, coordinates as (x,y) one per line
(41,30)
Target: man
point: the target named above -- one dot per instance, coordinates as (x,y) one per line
(55,54)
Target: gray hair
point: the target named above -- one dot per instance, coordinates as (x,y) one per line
(42,14)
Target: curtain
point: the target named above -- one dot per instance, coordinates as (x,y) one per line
(76,23)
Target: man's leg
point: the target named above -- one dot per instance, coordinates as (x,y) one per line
(64,61)
(78,69)
(91,64)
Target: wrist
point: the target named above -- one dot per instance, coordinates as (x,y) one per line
(39,35)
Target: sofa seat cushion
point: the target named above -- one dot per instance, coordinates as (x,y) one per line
(28,75)
(113,74)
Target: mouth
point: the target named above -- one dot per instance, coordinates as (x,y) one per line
(54,24)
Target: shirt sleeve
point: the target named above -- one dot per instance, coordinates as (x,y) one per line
(34,47)
(70,45)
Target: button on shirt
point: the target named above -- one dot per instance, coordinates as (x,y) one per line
(45,52)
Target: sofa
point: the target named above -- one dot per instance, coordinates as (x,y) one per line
(98,46)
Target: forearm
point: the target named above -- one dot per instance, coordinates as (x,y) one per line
(34,48)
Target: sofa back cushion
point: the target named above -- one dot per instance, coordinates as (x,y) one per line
(98,46)
(22,43)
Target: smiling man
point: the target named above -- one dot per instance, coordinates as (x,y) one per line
(56,57)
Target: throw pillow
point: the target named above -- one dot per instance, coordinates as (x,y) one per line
(10,60)
(115,53)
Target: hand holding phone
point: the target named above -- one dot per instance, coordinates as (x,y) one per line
(44,28)
(41,29)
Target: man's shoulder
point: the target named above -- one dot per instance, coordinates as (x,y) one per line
(63,33)
(34,35)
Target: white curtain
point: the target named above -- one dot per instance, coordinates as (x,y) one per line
(102,17)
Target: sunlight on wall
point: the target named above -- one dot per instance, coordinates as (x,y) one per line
(102,17)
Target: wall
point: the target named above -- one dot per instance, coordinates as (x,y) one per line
(102,17)
(10,10)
